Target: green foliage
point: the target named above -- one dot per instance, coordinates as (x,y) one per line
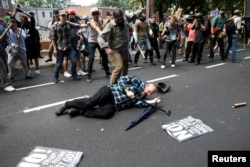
(43,3)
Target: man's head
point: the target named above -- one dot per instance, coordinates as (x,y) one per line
(118,17)
(95,13)
(149,89)
(222,10)
(63,15)
(237,12)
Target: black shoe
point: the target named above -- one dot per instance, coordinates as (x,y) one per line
(31,62)
(197,63)
(61,110)
(235,61)
(56,80)
(48,60)
(41,57)
(89,79)
(76,78)
(74,112)
(108,74)
(191,62)
(28,77)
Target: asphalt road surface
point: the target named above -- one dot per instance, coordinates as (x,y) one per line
(206,92)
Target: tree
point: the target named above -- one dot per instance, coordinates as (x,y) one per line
(43,3)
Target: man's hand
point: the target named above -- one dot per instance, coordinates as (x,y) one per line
(156,100)
(108,50)
(129,93)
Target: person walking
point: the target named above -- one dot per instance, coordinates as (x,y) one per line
(217,28)
(233,36)
(60,36)
(114,39)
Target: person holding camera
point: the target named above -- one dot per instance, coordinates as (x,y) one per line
(172,37)
(201,27)
(190,36)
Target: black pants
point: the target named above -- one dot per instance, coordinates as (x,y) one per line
(221,46)
(101,105)
(197,51)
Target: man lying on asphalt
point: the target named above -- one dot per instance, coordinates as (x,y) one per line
(127,92)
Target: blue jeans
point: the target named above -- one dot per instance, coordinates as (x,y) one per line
(71,55)
(232,43)
(148,46)
(92,47)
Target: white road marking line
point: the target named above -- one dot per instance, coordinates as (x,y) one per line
(216,65)
(134,68)
(36,86)
(237,50)
(162,78)
(247,57)
(51,105)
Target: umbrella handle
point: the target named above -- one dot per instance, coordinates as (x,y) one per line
(167,112)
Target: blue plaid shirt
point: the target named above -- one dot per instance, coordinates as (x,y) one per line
(132,83)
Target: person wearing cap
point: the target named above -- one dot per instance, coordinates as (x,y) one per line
(217,27)
(60,36)
(129,91)
(233,38)
(154,38)
(96,25)
(142,32)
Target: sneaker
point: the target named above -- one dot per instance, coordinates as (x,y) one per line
(56,80)
(152,63)
(48,60)
(108,74)
(67,74)
(135,65)
(75,77)
(9,88)
(37,72)
(80,72)
(163,66)
(89,79)
(28,77)
(173,65)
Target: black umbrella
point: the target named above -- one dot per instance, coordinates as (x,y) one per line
(145,114)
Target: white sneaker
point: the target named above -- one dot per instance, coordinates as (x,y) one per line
(67,74)
(163,66)
(9,88)
(173,65)
(37,72)
(80,72)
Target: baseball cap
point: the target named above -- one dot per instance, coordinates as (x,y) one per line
(62,12)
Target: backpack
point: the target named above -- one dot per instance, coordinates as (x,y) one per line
(230,27)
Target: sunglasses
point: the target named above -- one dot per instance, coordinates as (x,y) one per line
(95,13)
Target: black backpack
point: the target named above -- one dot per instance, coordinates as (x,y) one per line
(230,27)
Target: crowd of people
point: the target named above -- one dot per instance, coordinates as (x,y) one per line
(76,38)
